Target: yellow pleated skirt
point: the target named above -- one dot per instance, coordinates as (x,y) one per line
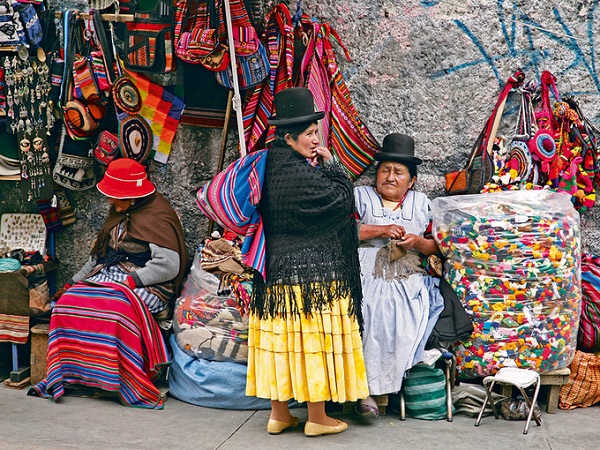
(310,359)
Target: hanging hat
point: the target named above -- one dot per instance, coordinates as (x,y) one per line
(293,106)
(135,138)
(126,95)
(125,178)
(398,147)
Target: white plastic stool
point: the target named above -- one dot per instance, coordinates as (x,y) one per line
(521,378)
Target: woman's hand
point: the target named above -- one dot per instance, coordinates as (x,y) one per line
(320,155)
(418,243)
(393,231)
(410,241)
(60,292)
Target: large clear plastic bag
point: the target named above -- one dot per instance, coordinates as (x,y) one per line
(514,260)
(208,325)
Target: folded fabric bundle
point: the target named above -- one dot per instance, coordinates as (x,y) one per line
(221,255)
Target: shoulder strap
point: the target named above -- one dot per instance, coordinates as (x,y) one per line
(70,48)
(486,138)
(107,53)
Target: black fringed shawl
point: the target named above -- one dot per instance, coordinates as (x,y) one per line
(311,238)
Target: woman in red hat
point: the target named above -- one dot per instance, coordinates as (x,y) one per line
(105,330)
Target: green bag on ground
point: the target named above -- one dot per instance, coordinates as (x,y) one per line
(425,393)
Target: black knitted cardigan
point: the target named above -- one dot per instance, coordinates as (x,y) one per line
(311,238)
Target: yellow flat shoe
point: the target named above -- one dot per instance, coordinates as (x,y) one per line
(316,429)
(277,426)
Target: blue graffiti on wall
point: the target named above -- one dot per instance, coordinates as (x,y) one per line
(532,58)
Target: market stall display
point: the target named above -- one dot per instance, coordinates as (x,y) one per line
(209,322)
(210,330)
(514,259)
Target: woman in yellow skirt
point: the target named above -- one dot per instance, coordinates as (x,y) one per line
(304,337)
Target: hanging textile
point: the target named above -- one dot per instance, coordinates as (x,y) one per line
(588,338)
(342,130)
(279,40)
(162,110)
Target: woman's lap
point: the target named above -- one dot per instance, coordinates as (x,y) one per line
(396,315)
(100,335)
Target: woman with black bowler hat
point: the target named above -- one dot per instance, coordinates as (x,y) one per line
(304,339)
(401,301)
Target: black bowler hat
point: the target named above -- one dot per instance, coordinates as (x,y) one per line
(294,105)
(398,147)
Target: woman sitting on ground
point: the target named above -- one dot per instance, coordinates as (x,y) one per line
(105,329)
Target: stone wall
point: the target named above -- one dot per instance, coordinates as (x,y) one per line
(432,69)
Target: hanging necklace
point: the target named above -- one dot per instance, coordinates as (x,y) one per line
(401,200)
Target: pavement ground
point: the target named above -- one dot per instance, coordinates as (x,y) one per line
(91,423)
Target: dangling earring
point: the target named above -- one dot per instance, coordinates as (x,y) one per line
(132,202)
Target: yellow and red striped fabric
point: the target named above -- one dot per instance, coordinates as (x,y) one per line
(14,329)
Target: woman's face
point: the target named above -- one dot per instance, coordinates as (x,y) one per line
(393,180)
(307,141)
(121,205)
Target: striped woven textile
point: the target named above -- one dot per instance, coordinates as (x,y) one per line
(588,337)
(231,198)
(162,110)
(143,40)
(84,83)
(102,336)
(239,16)
(314,76)
(425,393)
(14,329)
(99,69)
(278,36)
(342,130)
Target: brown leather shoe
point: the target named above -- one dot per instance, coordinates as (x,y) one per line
(316,429)
(277,426)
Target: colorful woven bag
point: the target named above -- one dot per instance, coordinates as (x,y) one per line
(278,36)
(250,54)
(196,41)
(425,393)
(149,40)
(588,338)
(342,130)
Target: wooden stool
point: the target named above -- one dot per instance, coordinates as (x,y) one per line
(554,379)
(39,349)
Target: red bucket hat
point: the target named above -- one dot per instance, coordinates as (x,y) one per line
(125,178)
